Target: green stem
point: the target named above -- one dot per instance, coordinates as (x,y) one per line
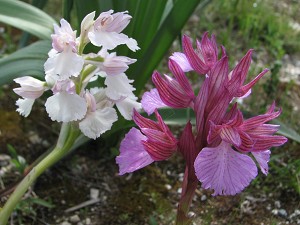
(66,139)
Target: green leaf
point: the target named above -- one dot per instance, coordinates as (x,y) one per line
(42,202)
(287,131)
(26,17)
(26,61)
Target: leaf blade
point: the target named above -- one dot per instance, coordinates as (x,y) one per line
(26,17)
(27,61)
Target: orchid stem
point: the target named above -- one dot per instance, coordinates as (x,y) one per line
(66,139)
(189,186)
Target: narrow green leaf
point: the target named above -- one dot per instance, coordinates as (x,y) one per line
(42,202)
(66,9)
(26,36)
(287,131)
(161,42)
(83,8)
(26,17)
(27,61)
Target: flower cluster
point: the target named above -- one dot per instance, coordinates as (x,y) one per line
(68,72)
(224,148)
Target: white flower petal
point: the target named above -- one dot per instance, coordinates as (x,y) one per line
(108,40)
(118,86)
(24,106)
(98,122)
(126,107)
(64,64)
(30,87)
(132,44)
(86,26)
(64,107)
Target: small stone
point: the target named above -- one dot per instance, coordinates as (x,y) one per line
(179,190)
(275,212)
(94,193)
(65,223)
(282,213)
(74,219)
(203,197)
(180,177)
(269,207)
(168,186)
(295,213)
(63,202)
(34,138)
(277,204)
(88,221)
(191,214)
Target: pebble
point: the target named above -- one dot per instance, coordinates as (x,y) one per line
(94,193)
(191,214)
(88,221)
(277,204)
(179,190)
(65,223)
(168,186)
(180,177)
(203,197)
(275,212)
(279,212)
(295,213)
(282,213)
(74,219)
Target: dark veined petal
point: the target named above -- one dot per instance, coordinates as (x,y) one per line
(239,73)
(170,91)
(181,78)
(187,147)
(157,151)
(265,142)
(143,122)
(197,64)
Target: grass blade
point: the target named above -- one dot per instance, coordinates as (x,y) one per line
(26,17)
(27,61)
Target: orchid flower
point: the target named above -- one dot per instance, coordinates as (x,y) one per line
(107,28)
(67,78)
(68,71)
(219,152)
